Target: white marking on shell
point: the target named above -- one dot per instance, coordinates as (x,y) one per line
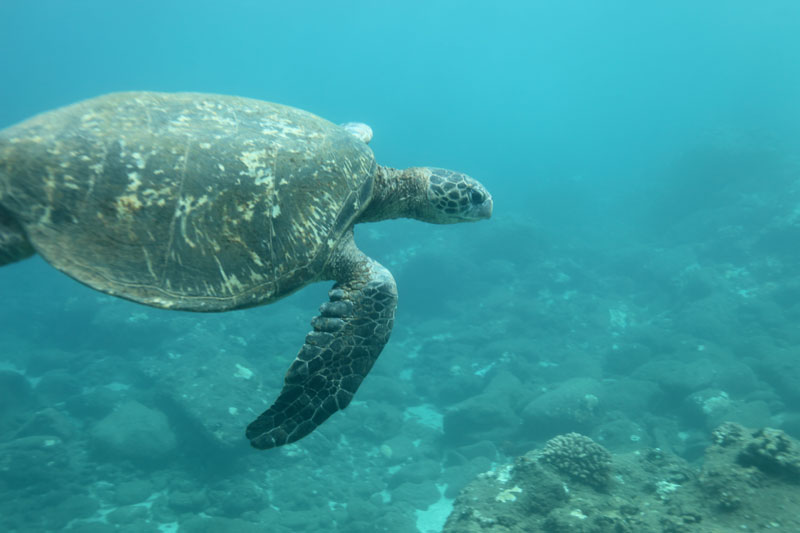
(266,179)
(134,181)
(149,263)
(70,182)
(256,260)
(230,282)
(186,205)
(258,167)
(247,211)
(157,196)
(256,277)
(126,204)
(138,160)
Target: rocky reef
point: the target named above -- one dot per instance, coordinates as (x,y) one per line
(749,481)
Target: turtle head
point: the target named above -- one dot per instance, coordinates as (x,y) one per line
(453,197)
(429,194)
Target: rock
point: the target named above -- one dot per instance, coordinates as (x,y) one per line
(750,478)
(365,488)
(400,519)
(624,358)
(36,460)
(385,389)
(791,424)
(374,421)
(630,396)
(199,524)
(416,472)
(750,414)
(728,475)
(499,498)
(457,388)
(357,525)
(93,527)
(779,368)
(480,418)
(130,492)
(711,407)
(188,501)
(128,515)
(362,510)
(707,406)
(134,432)
(94,404)
(458,476)
(772,451)
(484,448)
(49,421)
(58,386)
(418,495)
(74,507)
(488,416)
(572,405)
(678,378)
(622,434)
(234,499)
(14,390)
(737,378)
(399,449)
(16,400)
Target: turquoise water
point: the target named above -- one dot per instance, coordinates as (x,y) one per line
(639,281)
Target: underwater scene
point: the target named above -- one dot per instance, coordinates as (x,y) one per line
(571,231)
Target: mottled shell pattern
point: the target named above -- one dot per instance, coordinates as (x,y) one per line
(185,201)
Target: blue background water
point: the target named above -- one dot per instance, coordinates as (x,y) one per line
(644,165)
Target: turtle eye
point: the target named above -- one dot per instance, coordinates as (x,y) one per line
(476,196)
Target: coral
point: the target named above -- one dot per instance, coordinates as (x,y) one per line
(727,434)
(770,450)
(773,451)
(648,490)
(578,457)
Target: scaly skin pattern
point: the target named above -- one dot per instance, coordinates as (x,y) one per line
(338,353)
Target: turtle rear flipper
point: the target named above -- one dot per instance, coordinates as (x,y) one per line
(348,336)
(14,245)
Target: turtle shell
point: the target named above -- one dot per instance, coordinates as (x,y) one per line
(185,201)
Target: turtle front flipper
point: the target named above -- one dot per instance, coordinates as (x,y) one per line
(348,336)
(14,245)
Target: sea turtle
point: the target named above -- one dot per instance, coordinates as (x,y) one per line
(210,203)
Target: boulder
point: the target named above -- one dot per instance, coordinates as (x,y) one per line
(134,432)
